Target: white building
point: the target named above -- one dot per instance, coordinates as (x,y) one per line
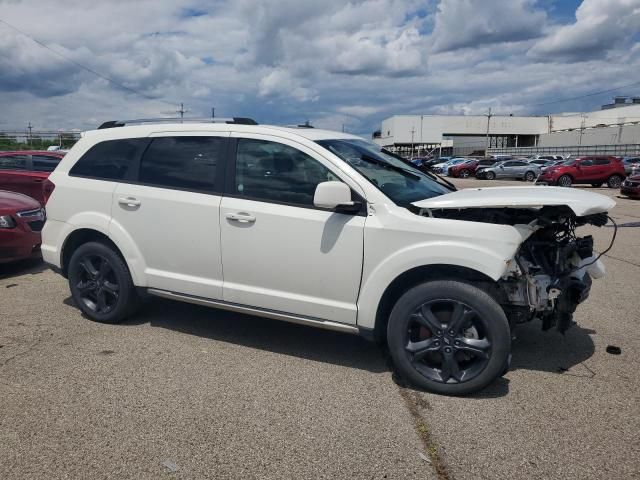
(464,134)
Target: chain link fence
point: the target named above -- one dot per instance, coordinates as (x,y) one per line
(619,150)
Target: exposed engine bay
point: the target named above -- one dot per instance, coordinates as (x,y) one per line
(552,271)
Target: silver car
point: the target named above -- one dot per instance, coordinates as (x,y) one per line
(520,169)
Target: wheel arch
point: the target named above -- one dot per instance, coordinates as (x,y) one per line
(421,274)
(79,237)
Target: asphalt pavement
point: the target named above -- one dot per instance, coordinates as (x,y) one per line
(181,391)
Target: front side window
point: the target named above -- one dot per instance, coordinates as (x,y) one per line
(45,163)
(397,180)
(109,160)
(278,173)
(182,162)
(13,162)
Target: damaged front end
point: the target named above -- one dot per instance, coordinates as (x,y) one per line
(552,270)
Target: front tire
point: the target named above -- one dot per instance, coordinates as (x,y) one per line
(490,176)
(448,337)
(101,284)
(565,181)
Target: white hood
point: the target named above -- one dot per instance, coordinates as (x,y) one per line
(582,203)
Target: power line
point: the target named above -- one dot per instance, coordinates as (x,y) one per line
(84,67)
(593,94)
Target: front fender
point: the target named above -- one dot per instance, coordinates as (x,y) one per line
(475,257)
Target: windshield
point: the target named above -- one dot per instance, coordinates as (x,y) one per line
(397,180)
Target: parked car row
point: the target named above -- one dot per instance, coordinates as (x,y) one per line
(24,190)
(26,172)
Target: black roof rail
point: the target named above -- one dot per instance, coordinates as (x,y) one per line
(142,121)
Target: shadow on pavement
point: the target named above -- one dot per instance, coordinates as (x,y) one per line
(262,333)
(14,269)
(532,350)
(551,351)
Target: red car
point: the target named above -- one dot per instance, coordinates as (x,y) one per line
(27,171)
(631,187)
(463,170)
(594,170)
(21,220)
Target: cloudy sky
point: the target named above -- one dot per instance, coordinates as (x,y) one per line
(332,62)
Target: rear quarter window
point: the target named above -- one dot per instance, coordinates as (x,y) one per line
(109,160)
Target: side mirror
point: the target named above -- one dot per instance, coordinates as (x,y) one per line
(501,166)
(335,196)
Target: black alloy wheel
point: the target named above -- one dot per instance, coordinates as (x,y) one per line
(101,284)
(97,284)
(444,343)
(449,337)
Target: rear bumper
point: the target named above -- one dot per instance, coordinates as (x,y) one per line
(52,240)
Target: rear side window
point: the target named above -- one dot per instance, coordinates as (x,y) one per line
(188,163)
(45,163)
(601,161)
(13,162)
(109,160)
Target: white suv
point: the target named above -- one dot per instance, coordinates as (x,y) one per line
(319,228)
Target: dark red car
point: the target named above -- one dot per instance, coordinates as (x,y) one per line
(464,170)
(27,171)
(593,169)
(631,187)
(21,220)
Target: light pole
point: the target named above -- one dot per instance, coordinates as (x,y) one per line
(413,132)
(486,148)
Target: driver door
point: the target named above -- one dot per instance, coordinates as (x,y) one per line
(279,252)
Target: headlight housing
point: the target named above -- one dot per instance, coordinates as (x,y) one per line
(7,222)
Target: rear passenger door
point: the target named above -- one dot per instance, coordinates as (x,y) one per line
(169,206)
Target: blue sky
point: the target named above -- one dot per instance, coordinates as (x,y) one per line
(330,62)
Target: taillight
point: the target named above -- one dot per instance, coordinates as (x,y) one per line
(47,189)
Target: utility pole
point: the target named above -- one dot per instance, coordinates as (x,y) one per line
(581,129)
(413,131)
(30,127)
(213,112)
(486,148)
(182,111)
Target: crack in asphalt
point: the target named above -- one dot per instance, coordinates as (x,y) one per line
(414,403)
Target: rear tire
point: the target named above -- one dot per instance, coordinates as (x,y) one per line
(448,337)
(100,283)
(614,181)
(565,181)
(530,176)
(464,173)
(490,176)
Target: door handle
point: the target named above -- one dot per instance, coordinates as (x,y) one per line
(241,217)
(38,180)
(129,201)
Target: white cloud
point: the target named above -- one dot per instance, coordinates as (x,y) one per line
(600,27)
(470,23)
(285,61)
